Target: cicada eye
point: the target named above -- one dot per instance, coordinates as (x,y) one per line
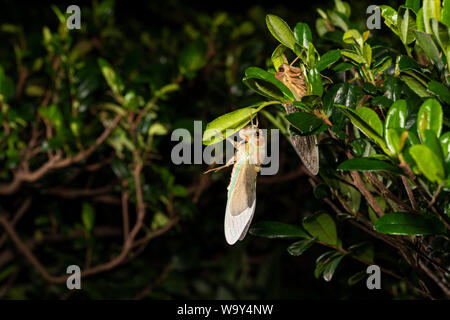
(280,69)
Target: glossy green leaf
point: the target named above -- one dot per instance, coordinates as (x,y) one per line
(342,67)
(430,116)
(445,13)
(328,59)
(367,53)
(440,31)
(395,140)
(404,223)
(390,17)
(321,226)
(267,85)
(315,79)
(432,142)
(396,116)
(274,229)
(406,25)
(428,162)
(353,56)
(301,246)
(431,9)
(353,37)
(371,118)
(445,144)
(303,34)
(366,164)
(406,63)
(415,85)
(414,5)
(440,90)
(306,123)
(430,48)
(227,124)
(277,56)
(331,267)
(280,30)
(364,126)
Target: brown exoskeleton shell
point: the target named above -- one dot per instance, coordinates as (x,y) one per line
(305,146)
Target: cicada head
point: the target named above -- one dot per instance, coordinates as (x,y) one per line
(255,143)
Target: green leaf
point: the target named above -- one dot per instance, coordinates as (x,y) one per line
(328,59)
(366,164)
(414,5)
(428,162)
(408,224)
(445,144)
(342,67)
(440,31)
(133,101)
(357,277)
(321,226)
(440,90)
(315,79)
(350,195)
(227,124)
(353,56)
(395,140)
(406,63)
(396,116)
(303,34)
(445,13)
(88,216)
(432,142)
(390,18)
(266,84)
(364,126)
(277,56)
(112,78)
(280,30)
(274,229)
(353,36)
(367,53)
(428,45)
(431,9)
(430,116)
(331,268)
(415,85)
(306,123)
(301,246)
(406,25)
(371,118)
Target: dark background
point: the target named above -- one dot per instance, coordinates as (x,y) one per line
(203,265)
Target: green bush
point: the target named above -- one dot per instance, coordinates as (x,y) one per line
(380,108)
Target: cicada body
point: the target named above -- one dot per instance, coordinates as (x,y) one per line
(241,202)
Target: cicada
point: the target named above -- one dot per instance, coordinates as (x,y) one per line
(241,203)
(305,146)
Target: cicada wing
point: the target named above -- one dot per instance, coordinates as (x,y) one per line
(308,151)
(305,146)
(241,201)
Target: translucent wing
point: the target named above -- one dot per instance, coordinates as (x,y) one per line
(241,200)
(306,147)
